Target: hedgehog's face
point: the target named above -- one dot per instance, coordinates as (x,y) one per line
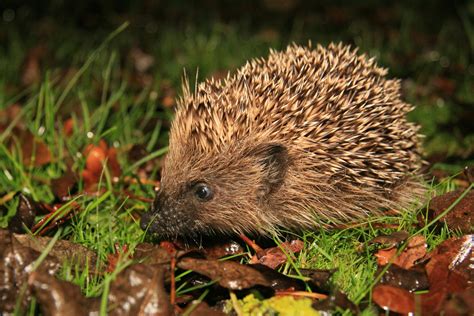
(225,193)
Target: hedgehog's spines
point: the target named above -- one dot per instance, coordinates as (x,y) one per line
(341,119)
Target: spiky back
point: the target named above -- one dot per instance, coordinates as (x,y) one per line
(328,103)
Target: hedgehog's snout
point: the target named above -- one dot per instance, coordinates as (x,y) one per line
(166,217)
(154,218)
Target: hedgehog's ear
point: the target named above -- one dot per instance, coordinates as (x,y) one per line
(274,158)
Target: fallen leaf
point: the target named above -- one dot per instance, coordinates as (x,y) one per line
(384,256)
(461,217)
(219,250)
(151,254)
(390,241)
(334,301)
(415,250)
(64,186)
(411,280)
(16,261)
(34,150)
(275,256)
(26,212)
(449,264)
(138,290)
(62,251)
(57,297)
(393,299)
(97,157)
(236,276)
(449,272)
(320,278)
(229,274)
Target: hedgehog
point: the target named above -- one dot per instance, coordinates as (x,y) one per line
(307,138)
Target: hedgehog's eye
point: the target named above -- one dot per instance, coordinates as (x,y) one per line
(203,192)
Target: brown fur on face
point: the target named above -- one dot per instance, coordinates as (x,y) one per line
(241,178)
(301,139)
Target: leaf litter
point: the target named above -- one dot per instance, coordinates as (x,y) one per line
(150,287)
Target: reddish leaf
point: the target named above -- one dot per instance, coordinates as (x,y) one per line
(393,299)
(274,257)
(449,273)
(461,216)
(449,264)
(68,127)
(63,186)
(34,150)
(384,256)
(415,250)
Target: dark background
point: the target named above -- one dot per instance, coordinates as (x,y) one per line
(428,44)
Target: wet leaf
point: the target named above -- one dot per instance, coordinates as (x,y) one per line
(449,264)
(410,280)
(414,251)
(335,300)
(320,278)
(449,273)
(390,241)
(279,281)
(151,254)
(16,262)
(460,303)
(139,290)
(26,211)
(393,299)
(275,256)
(57,297)
(229,274)
(461,217)
(220,250)
(62,251)
(384,256)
